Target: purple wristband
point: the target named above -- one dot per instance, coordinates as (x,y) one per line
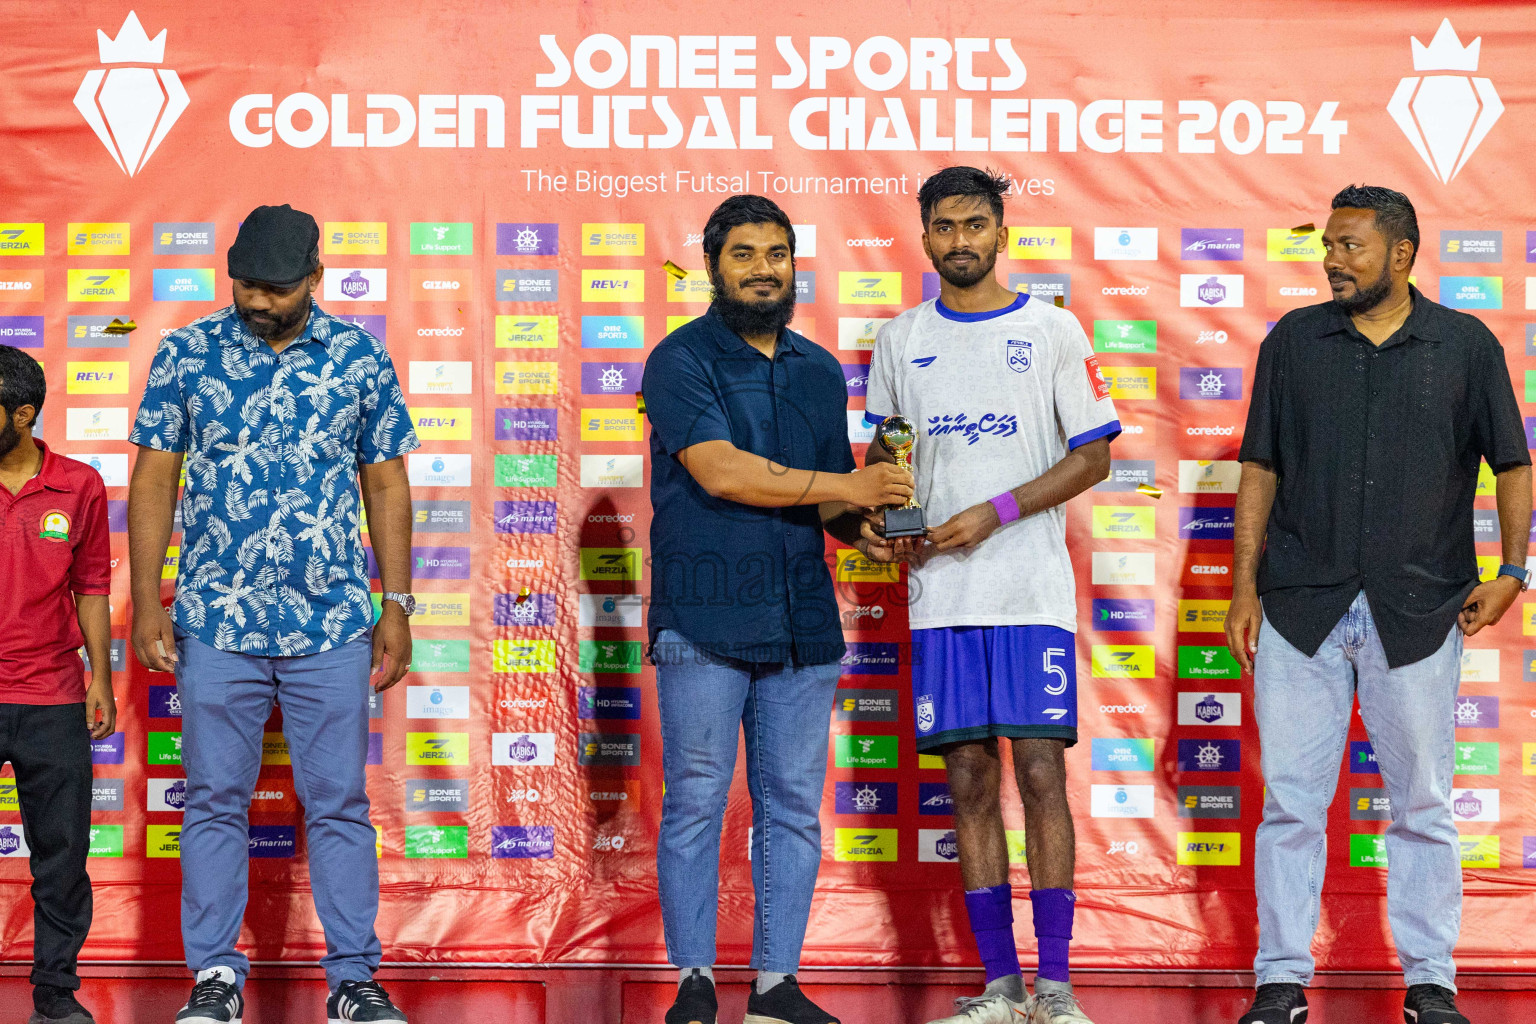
(1007,508)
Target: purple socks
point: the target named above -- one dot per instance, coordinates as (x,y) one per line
(1053,930)
(991,914)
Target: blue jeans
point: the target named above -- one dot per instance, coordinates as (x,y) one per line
(785,708)
(1303,707)
(226,699)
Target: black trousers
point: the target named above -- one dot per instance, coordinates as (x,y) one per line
(49,746)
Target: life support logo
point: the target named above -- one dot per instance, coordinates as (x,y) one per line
(55,526)
(131,109)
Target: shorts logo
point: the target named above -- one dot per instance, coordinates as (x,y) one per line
(1020,355)
(925,714)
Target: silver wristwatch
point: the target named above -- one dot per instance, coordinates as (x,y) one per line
(407,602)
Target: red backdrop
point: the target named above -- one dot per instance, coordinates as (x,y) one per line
(1133,132)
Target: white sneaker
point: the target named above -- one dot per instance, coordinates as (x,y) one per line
(994,1009)
(1054,1008)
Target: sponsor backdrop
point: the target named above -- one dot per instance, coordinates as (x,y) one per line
(499,191)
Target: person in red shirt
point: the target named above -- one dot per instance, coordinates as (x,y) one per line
(57,563)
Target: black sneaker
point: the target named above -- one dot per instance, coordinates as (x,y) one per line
(54,1005)
(785,1004)
(695,1003)
(214,1000)
(1277,1004)
(361,1000)
(1431,1004)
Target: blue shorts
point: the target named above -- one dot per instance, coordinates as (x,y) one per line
(971,682)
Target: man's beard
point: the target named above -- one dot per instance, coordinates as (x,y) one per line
(966,277)
(747,319)
(275,327)
(10,437)
(1367,298)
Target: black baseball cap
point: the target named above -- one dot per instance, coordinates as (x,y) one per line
(276,245)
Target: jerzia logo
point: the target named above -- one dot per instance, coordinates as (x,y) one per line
(1446,117)
(131,108)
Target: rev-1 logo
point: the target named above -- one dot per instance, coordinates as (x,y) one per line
(959,423)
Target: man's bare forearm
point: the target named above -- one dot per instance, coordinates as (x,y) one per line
(1082,468)
(151,520)
(387,499)
(1255,498)
(1514,497)
(94,613)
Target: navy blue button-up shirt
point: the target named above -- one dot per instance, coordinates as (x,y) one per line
(271,561)
(736,580)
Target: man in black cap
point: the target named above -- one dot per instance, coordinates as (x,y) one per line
(279,410)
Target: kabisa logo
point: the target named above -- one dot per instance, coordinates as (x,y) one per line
(1210,709)
(1212,291)
(1445,117)
(176,794)
(999,425)
(131,108)
(354,285)
(522,750)
(10,842)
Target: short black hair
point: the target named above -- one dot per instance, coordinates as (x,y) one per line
(21,381)
(739,210)
(969,182)
(1395,218)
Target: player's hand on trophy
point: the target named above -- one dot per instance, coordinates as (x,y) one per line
(879,484)
(966,529)
(876,547)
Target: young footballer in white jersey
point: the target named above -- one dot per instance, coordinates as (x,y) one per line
(1012,419)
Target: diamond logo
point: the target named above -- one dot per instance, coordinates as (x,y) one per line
(1445,116)
(131,108)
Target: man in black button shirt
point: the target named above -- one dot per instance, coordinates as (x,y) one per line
(1369,417)
(750,460)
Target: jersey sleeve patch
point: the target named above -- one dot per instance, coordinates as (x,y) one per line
(1096,381)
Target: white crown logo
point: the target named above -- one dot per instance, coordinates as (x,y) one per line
(132,45)
(1445,116)
(1445,52)
(131,108)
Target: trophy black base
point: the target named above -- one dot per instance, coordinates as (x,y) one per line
(903,522)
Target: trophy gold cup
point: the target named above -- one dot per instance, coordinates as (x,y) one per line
(897,436)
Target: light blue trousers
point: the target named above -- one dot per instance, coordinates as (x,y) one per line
(226,699)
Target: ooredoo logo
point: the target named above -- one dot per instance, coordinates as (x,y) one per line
(1446,117)
(131,108)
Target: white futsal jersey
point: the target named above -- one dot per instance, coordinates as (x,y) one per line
(996,399)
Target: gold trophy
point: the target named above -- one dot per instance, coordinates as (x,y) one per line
(897,436)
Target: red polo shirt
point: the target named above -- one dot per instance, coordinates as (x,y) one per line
(54,543)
